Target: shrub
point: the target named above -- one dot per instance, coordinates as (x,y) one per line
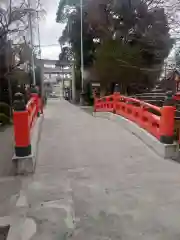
(5,109)
(4,119)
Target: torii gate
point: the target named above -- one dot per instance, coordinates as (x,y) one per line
(50,67)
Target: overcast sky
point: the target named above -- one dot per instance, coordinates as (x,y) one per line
(50,31)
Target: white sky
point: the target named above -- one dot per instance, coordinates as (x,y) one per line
(50,31)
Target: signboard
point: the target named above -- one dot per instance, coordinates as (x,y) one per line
(95,89)
(95,84)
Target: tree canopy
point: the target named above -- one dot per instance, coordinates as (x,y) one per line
(123,41)
(14,26)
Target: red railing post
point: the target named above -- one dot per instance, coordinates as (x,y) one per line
(21,128)
(167,121)
(32,111)
(116,97)
(36,97)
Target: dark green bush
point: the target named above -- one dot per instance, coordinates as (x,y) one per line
(5,109)
(4,119)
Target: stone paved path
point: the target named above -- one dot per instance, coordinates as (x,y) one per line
(96,181)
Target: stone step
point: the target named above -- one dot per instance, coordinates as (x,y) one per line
(156,103)
(151,98)
(151,94)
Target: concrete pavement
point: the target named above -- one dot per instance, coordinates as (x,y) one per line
(9,185)
(6,151)
(96,181)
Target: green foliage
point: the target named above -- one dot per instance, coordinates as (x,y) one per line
(177,58)
(65,9)
(4,119)
(5,109)
(113,60)
(72,35)
(124,41)
(4,113)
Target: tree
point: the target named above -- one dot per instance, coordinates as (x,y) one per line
(71,34)
(121,38)
(108,64)
(177,58)
(14,26)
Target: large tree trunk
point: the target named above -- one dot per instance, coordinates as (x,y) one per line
(123,88)
(103,90)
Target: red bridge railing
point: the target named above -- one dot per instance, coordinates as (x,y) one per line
(24,120)
(157,121)
(32,111)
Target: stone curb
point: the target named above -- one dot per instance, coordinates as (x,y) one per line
(167,151)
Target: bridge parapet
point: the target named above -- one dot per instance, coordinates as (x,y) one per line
(158,121)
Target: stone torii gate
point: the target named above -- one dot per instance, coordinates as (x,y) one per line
(50,67)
